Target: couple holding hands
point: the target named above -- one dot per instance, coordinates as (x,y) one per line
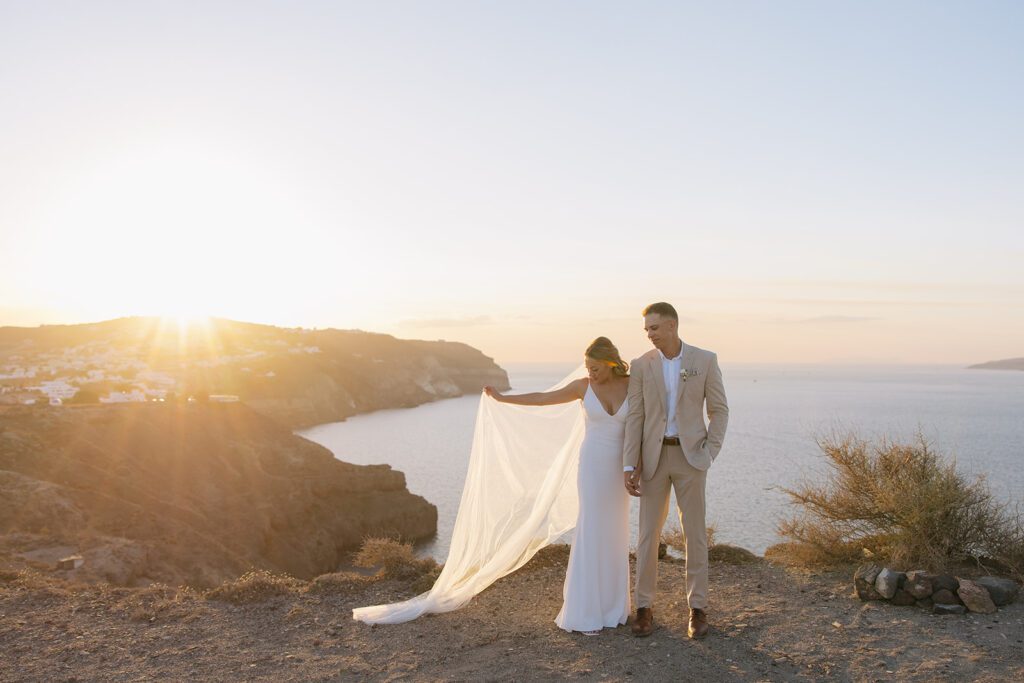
(641,432)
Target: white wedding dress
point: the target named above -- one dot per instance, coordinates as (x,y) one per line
(520,496)
(596,591)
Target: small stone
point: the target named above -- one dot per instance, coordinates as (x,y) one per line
(919,584)
(864,581)
(1002,591)
(887,582)
(975,597)
(945,581)
(903,599)
(945,597)
(938,608)
(925,603)
(71,562)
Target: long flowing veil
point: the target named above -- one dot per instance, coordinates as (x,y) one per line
(520,495)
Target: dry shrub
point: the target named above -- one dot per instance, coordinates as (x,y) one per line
(397,561)
(426,581)
(40,584)
(156,601)
(717,552)
(795,554)
(731,554)
(677,539)
(899,503)
(255,586)
(338,583)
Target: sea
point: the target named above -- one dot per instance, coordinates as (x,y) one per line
(777,415)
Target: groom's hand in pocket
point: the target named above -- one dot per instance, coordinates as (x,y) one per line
(632,480)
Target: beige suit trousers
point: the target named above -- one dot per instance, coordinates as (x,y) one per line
(674,471)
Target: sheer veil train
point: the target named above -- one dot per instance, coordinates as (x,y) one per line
(519,496)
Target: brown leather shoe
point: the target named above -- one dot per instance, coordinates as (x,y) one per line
(698,627)
(643,625)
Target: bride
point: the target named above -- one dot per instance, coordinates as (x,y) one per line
(520,495)
(596,590)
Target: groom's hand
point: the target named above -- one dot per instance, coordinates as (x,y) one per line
(632,482)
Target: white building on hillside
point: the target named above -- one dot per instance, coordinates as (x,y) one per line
(56,388)
(133,396)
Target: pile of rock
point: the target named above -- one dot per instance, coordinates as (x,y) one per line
(940,593)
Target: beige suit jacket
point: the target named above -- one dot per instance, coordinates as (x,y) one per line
(647,416)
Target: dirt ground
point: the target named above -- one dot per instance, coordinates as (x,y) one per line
(769,623)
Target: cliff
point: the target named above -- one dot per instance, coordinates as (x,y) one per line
(189,494)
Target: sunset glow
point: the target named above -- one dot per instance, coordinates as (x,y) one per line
(799,196)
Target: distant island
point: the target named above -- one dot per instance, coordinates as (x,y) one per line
(1006,364)
(299,377)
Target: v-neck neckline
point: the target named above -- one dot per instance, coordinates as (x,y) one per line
(590,388)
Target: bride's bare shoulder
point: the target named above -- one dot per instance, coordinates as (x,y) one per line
(579,386)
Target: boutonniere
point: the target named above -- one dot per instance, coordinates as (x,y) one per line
(686,374)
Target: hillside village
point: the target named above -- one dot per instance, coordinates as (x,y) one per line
(298,376)
(112,375)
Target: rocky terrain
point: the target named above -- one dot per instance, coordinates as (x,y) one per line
(768,623)
(185,494)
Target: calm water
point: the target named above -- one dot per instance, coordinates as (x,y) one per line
(775,412)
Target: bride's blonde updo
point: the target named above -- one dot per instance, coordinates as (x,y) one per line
(602,350)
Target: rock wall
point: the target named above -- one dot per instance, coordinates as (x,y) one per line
(190,494)
(940,593)
(359,372)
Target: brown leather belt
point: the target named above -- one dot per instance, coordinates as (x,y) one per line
(670,441)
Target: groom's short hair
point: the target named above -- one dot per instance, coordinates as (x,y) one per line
(663,309)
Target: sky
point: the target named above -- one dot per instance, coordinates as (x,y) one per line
(806,182)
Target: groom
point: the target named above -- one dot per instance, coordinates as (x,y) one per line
(669,446)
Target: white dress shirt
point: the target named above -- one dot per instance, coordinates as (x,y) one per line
(670,368)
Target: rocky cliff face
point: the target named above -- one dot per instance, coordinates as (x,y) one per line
(359,372)
(189,494)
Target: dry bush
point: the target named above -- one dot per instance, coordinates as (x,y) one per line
(338,582)
(900,503)
(397,561)
(40,584)
(717,552)
(677,539)
(731,554)
(255,586)
(156,601)
(796,554)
